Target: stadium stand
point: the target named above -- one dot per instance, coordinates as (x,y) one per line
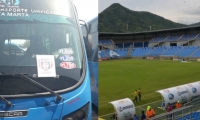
(187,51)
(122,52)
(179,51)
(107,52)
(140,52)
(180,43)
(105,42)
(196,54)
(188,37)
(157,51)
(138,44)
(117,53)
(173,38)
(172,50)
(158,39)
(127,45)
(195,116)
(198,37)
(102,54)
(113,53)
(119,46)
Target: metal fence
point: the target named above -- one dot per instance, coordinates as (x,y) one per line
(175,114)
(186,110)
(161,114)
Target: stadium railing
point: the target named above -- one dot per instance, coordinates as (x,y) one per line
(195,103)
(175,114)
(197,37)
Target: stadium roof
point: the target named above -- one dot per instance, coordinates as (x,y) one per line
(152,32)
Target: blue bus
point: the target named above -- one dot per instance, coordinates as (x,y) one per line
(92,54)
(46,77)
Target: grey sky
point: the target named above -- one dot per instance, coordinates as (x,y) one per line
(180,11)
(87,9)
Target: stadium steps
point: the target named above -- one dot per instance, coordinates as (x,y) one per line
(152,44)
(150,51)
(165,39)
(178,51)
(196,38)
(129,51)
(183,42)
(106,54)
(163,51)
(112,41)
(180,37)
(194,52)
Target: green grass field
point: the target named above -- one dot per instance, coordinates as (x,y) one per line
(119,78)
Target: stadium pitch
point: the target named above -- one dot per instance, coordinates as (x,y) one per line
(118,79)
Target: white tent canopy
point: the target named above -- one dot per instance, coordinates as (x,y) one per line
(182,93)
(124,109)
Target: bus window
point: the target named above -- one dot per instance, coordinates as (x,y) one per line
(14,47)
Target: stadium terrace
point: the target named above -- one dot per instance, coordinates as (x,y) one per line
(180,44)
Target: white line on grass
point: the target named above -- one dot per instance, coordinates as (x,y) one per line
(143,98)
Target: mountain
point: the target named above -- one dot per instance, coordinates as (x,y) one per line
(195,24)
(116,17)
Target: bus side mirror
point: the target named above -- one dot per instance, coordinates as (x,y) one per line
(87,39)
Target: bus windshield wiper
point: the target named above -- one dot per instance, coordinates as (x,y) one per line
(24,77)
(8,103)
(41,86)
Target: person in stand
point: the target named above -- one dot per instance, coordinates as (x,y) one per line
(150,112)
(139,94)
(135,117)
(169,109)
(178,104)
(135,96)
(143,116)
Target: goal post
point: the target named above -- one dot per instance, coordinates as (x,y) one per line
(169,57)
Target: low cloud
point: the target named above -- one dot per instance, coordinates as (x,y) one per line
(192,11)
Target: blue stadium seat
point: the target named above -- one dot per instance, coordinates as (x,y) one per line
(139,52)
(198,37)
(188,37)
(195,116)
(173,38)
(158,39)
(105,42)
(187,51)
(119,45)
(121,52)
(172,50)
(101,54)
(157,51)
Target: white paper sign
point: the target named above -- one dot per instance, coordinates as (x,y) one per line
(46,66)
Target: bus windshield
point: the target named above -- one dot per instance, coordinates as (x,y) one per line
(41,41)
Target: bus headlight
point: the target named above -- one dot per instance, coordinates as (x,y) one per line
(80,114)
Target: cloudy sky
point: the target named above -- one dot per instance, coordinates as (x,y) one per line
(180,11)
(87,9)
